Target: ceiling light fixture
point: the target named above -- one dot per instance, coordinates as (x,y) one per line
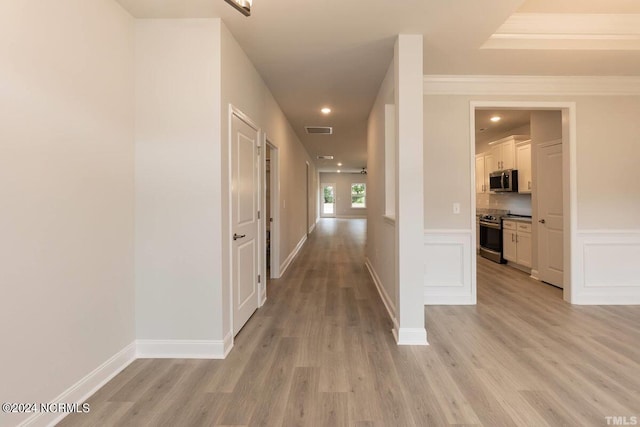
(338,170)
(243,6)
(495,119)
(339,164)
(325,110)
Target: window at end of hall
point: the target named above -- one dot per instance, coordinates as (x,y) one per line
(358,195)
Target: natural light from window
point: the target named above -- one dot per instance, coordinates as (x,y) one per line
(358,195)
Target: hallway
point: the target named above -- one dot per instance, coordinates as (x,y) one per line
(320,352)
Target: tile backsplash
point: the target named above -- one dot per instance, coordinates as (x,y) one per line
(519,204)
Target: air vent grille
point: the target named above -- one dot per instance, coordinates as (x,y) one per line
(325,157)
(319,130)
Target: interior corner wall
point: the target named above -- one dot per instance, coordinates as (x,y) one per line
(178,163)
(243,88)
(608,185)
(380,250)
(343,182)
(67,216)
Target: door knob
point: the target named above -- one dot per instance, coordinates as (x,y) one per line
(238,236)
(542,221)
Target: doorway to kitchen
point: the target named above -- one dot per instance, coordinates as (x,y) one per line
(524,195)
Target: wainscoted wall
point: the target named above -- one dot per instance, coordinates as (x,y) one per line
(608,267)
(449,278)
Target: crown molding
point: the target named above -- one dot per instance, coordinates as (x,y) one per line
(531,85)
(567,31)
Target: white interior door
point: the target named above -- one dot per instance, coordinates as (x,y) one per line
(328,200)
(245,192)
(550,215)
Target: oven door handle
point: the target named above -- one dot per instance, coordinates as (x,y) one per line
(490,225)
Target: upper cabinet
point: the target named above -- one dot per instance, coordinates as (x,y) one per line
(504,152)
(523,164)
(484,165)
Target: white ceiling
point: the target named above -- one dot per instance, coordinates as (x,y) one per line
(315,53)
(509,119)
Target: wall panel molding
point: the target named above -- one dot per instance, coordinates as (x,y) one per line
(448,276)
(608,271)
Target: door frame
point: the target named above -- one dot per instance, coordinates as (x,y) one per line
(234,111)
(569,183)
(321,199)
(274,175)
(306,193)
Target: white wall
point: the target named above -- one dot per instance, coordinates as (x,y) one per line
(66,216)
(608,183)
(243,87)
(409,174)
(607,136)
(343,182)
(178,163)
(381,249)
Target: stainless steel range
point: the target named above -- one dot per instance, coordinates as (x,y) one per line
(491,237)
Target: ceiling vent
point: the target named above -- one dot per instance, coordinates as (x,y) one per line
(319,130)
(325,157)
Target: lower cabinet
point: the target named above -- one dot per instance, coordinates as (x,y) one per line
(516,242)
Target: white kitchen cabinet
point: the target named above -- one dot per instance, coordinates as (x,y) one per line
(523,164)
(480,179)
(504,155)
(523,243)
(509,249)
(484,163)
(504,152)
(516,242)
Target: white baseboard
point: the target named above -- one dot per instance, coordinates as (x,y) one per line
(535,275)
(313,227)
(608,272)
(292,255)
(384,296)
(87,386)
(364,216)
(184,349)
(449,277)
(412,336)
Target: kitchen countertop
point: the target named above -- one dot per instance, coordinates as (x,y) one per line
(517,218)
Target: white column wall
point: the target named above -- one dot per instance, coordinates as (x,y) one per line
(409,189)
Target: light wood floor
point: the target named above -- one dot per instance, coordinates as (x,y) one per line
(321,353)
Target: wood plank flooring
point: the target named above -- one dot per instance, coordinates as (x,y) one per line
(321,353)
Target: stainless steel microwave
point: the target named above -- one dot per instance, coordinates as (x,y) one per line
(503,181)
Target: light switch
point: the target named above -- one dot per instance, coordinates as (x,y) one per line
(456,208)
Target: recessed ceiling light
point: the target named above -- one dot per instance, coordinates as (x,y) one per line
(339,164)
(338,170)
(326,110)
(495,119)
